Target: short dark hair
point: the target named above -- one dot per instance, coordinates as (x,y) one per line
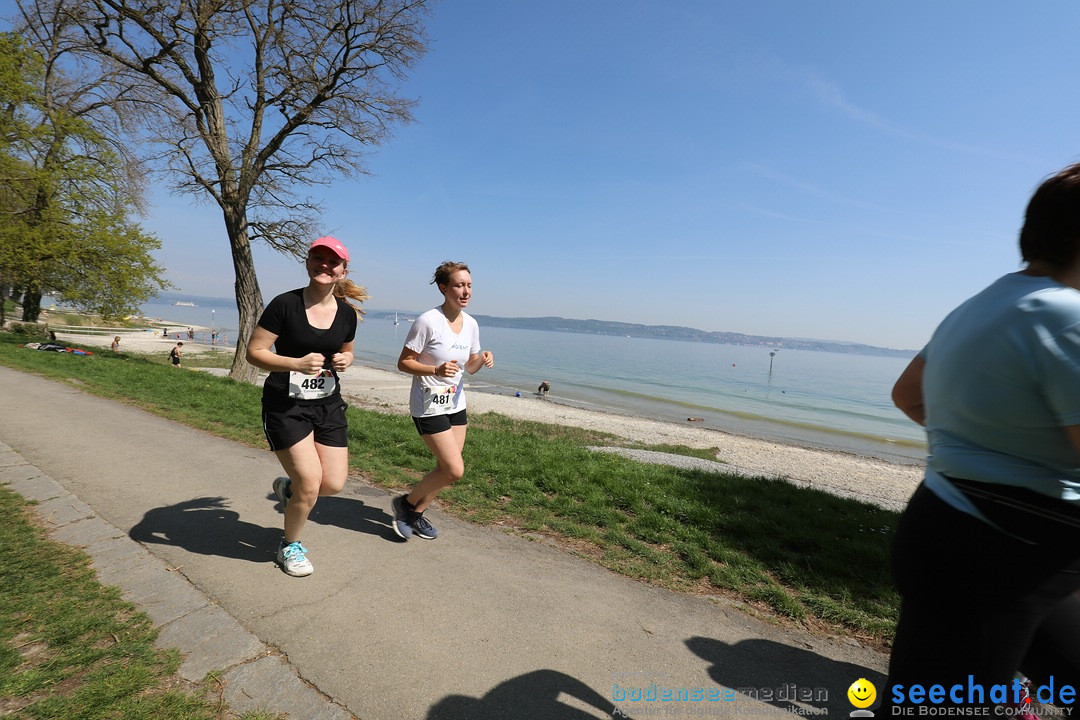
(444,271)
(1051,231)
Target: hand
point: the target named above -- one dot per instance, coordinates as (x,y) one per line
(488,358)
(341,361)
(310,363)
(447,369)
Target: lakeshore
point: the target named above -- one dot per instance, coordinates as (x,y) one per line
(887,484)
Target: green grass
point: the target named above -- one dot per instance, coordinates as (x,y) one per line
(797,553)
(71,648)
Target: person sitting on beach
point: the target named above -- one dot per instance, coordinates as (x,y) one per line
(115,344)
(174,354)
(542,391)
(305,339)
(997,388)
(442,342)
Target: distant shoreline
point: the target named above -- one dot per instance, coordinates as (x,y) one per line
(609,328)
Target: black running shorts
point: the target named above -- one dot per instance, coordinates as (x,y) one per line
(286,423)
(439,423)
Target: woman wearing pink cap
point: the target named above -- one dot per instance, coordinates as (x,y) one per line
(311,331)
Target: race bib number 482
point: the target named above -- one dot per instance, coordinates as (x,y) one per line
(312,387)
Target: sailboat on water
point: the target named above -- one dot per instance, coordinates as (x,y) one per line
(396,321)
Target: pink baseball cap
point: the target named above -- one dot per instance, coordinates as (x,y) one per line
(333,244)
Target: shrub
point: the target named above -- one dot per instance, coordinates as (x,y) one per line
(29,331)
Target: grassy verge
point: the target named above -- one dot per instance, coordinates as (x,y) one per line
(801,554)
(71,648)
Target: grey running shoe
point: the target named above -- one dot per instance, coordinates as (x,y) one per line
(402,522)
(281,489)
(423,528)
(293,559)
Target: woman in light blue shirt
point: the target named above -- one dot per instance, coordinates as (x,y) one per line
(987,553)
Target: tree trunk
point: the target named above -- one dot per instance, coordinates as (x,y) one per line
(249,303)
(31,305)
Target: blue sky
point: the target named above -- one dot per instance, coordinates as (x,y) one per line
(833,170)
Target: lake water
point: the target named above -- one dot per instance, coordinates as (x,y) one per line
(818,399)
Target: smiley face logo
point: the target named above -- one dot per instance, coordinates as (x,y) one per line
(862,693)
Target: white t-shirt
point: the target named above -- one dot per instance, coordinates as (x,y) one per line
(431,338)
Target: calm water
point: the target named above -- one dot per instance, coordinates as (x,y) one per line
(836,401)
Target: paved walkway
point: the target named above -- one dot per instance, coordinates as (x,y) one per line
(477,624)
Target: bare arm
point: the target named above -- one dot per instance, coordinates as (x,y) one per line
(907,394)
(343,358)
(484,359)
(409,362)
(260,355)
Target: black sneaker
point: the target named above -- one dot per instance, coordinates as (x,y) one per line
(423,528)
(282,490)
(402,523)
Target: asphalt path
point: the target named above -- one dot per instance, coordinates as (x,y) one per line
(476,624)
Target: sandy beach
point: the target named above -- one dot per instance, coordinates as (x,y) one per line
(882,483)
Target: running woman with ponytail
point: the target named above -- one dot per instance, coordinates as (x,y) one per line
(441,343)
(305,339)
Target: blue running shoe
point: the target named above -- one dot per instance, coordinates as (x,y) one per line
(292,558)
(422,528)
(402,522)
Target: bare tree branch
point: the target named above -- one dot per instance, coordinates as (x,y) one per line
(247,102)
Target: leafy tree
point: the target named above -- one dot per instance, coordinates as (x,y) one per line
(20,73)
(255,100)
(67,187)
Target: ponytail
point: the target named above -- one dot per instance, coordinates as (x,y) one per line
(346,289)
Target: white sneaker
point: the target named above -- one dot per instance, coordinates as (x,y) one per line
(293,559)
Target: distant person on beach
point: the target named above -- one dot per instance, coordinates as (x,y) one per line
(115,346)
(542,391)
(305,339)
(439,345)
(987,554)
(174,354)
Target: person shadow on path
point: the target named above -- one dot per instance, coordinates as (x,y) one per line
(782,672)
(538,695)
(349,513)
(206,526)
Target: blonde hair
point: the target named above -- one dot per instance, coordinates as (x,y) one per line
(347,290)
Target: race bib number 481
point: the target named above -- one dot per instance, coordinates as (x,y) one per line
(312,387)
(439,401)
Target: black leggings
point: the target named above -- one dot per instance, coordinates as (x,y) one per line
(979,602)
